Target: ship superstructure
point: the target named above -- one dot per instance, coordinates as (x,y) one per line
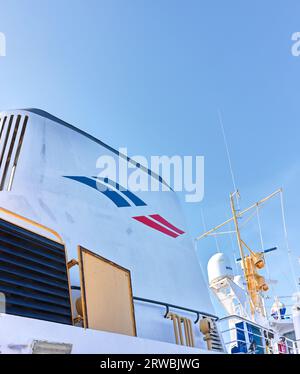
(89,266)
(247,326)
(59,226)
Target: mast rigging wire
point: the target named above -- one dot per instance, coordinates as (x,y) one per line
(214,235)
(289,252)
(227,151)
(231,173)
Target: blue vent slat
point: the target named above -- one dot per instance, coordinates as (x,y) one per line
(32,238)
(13,290)
(33,275)
(36,305)
(25,312)
(22,264)
(21,254)
(23,275)
(10,240)
(10,279)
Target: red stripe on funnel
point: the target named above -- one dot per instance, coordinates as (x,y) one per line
(147,221)
(160,219)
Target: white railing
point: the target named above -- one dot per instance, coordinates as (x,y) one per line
(267,341)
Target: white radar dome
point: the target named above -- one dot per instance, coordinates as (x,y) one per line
(219,267)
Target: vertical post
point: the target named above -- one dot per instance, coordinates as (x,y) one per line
(239,240)
(178,319)
(171,316)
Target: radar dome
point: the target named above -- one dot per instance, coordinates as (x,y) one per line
(219,267)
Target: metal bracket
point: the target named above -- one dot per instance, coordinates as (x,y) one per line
(72,263)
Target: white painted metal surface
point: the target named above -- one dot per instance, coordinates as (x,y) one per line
(163,268)
(18,334)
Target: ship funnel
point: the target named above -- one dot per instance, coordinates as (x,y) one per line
(218,268)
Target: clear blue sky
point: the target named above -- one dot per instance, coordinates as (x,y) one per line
(151,75)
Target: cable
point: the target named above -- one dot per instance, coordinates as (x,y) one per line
(215,236)
(287,241)
(228,154)
(247,219)
(199,261)
(196,246)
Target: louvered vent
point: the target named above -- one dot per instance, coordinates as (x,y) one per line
(33,275)
(217,344)
(12,131)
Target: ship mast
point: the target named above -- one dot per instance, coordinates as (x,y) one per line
(255,282)
(252,261)
(237,230)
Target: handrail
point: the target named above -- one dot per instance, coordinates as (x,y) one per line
(168,306)
(290,343)
(240,329)
(34,223)
(233,316)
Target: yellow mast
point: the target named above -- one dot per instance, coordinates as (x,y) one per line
(257,204)
(249,266)
(250,262)
(237,230)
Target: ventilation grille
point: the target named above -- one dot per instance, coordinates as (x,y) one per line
(12,131)
(33,275)
(217,344)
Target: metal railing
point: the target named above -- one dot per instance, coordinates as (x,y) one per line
(212,337)
(271,343)
(179,319)
(168,306)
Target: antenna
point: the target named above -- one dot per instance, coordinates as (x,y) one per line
(231,171)
(251,262)
(227,150)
